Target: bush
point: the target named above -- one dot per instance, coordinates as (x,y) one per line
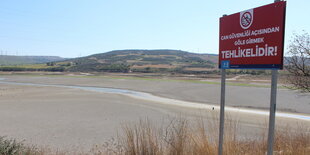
(10,147)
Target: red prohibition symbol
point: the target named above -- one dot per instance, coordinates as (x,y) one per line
(246,19)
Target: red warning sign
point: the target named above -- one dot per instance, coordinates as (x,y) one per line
(253,38)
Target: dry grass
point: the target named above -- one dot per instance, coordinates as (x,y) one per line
(181,137)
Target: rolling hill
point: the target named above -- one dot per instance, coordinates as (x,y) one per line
(143,61)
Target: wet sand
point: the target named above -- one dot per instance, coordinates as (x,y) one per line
(66,118)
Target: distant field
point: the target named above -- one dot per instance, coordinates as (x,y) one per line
(31,67)
(154,66)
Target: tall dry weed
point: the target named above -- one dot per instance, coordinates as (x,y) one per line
(181,137)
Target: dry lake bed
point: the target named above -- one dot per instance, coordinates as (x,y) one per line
(70,111)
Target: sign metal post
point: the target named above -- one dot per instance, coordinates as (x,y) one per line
(272,113)
(222,112)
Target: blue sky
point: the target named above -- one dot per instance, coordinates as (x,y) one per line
(72,28)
